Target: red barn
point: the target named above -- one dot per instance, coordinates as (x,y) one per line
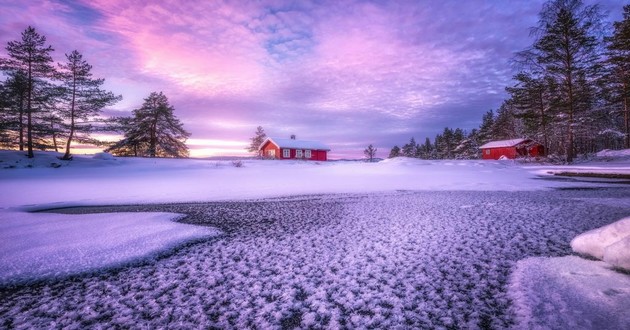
(512,149)
(293,149)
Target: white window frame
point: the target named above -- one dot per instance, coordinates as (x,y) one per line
(286,153)
(298,153)
(487,151)
(307,154)
(271,153)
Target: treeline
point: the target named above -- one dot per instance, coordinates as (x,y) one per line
(571,94)
(45,106)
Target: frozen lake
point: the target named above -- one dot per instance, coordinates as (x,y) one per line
(409,259)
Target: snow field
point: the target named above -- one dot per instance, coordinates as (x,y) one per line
(103,181)
(37,246)
(400,260)
(569,292)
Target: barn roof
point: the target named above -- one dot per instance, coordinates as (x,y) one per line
(503,143)
(296,144)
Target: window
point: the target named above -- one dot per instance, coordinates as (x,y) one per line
(271,153)
(286,153)
(298,154)
(487,151)
(307,154)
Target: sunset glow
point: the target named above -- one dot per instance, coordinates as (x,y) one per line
(347,73)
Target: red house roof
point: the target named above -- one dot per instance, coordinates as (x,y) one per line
(503,143)
(295,144)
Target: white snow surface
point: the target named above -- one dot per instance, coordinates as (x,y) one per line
(32,184)
(145,180)
(40,245)
(569,293)
(594,242)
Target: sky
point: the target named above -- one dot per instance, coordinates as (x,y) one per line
(345,73)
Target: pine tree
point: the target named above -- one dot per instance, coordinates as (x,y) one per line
(485,134)
(567,50)
(153,131)
(257,140)
(31,57)
(617,77)
(427,149)
(395,152)
(531,98)
(13,100)
(409,149)
(83,97)
(504,126)
(370,153)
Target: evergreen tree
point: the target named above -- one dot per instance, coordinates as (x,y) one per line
(370,153)
(257,140)
(617,78)
(566,48)
(12,109)
(437,147)
(395,152)
(409,149)
(427,149)
(485,134)
(153,131)
(504,126)
(447,144)
(31,57)
(83,97)
(531,98)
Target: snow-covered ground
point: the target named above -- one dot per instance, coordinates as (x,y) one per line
(89,181)
(441,257)
(36,246)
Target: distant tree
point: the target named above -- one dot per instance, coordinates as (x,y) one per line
(395,152)
(370,153)
(447,144)
(617,77)
(257,140)
(485,129)
(82,96)
(154,131)
(427,149)
(409,149)
(31,57)
(505,126)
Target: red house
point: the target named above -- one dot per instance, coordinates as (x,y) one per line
(512,149)
(293,149)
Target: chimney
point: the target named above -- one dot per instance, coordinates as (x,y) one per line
(292,136)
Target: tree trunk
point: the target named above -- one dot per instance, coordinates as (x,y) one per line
(544,123)
(67,156)
(52,129)
(21,122)
(626,115)
(29,111)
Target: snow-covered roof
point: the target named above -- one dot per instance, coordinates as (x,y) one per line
(502,143)
(296,144)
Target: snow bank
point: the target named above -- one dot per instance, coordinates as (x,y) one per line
(608,243)
(103,156)
(607,153)
(569,293)
(36,246)
(12,160)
